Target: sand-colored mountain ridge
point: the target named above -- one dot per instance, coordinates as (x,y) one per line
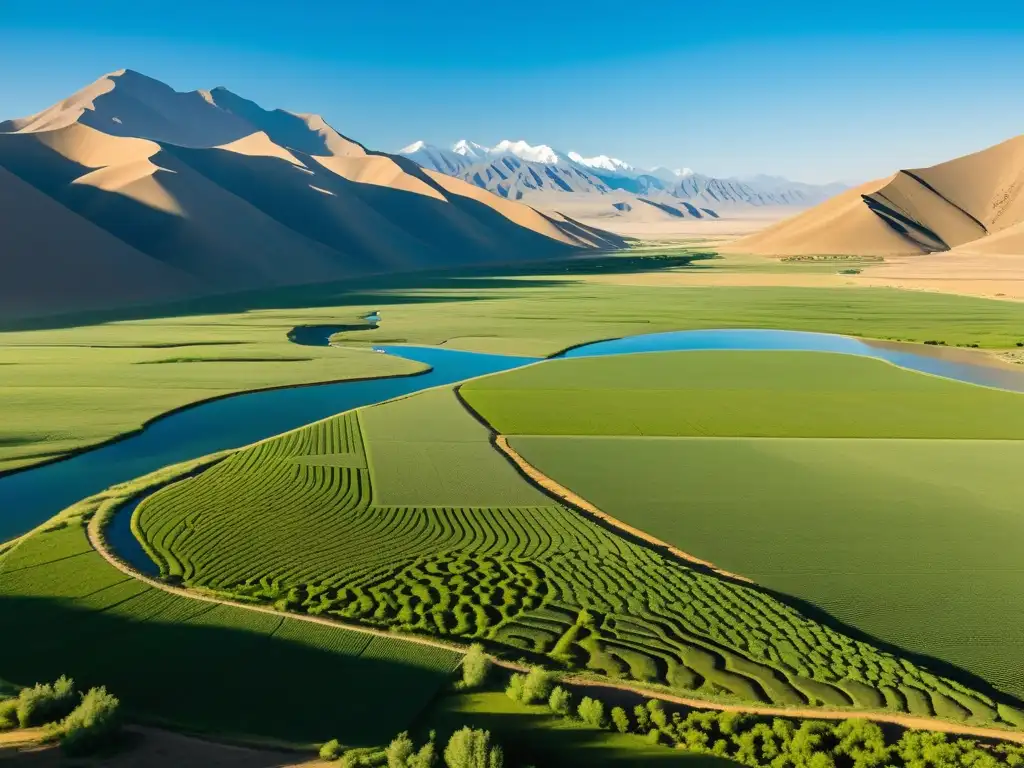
(131,193)
(972,204)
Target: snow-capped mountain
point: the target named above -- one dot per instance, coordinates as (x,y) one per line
(516,168)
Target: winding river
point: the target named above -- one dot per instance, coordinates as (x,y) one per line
(32,496)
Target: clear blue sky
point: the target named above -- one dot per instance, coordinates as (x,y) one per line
(813,90)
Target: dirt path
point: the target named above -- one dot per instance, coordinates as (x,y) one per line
(101,547)
(559,491)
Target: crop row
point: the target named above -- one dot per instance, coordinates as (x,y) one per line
(540,579)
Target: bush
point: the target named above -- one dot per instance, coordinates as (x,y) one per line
(560,701)
(591,712)
(93,724)
(331,750)
(427,756)
(45,703)
(8,714)
(515,687)
(399,751)
(620,720)
(471,748)
(475,666)
(537,686)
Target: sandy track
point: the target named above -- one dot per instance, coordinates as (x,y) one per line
(559,491)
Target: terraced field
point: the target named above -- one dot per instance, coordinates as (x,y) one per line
(296,521)
(913,541)
(65,610)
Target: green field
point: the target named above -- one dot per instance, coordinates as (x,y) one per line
(741,394)
(70,387)
(201,666)
(913,541)
(527,576)
(65,389)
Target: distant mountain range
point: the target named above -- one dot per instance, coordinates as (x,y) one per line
(516,169)
(129,192)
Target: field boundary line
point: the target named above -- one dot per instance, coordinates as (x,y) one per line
(99,544)
(911,722)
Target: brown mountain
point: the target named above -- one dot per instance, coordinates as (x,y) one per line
(131,193)
(974,203)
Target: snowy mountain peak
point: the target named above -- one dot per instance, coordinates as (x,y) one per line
(416,146)
(470,149)
(541,153)
(602,162)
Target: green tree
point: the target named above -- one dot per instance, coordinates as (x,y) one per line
(331,750)
(643,718)
(426,757)
(620,719)
(399,751)
(591,712)
(560,701)
(93,724)
(476,665)
(46,703)
(537,685)
(515,687)
(471,748)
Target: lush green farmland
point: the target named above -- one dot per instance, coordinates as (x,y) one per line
(63,389)
(910,540)
(756,394)
(536,579)
(65,610)
(915,542)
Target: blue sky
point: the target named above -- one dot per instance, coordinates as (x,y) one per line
(814,91)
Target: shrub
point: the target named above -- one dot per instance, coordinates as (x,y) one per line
(399,751)
(643,717)
(470,748)
(537,686)
(331,750)
(591,712)
(8,714)
(515,687)
(427,756)
(93,724)
(620,720)
(475,666)
(654,736)
(560,701)
(45,703)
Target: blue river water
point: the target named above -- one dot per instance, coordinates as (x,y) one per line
(30,497)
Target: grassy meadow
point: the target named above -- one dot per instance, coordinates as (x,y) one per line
(884,497)
(65,610)
(741,394)
(69,387)
(523,574)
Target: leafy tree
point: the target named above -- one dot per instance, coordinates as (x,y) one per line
(515,687)
(471,748)
(476,665)
(46,703)
(427,755)
(399,751)
(620,719)
(93,724)
(560,701)
(591,712)
(8,714)
(331,750)
(643,718)
(537,685)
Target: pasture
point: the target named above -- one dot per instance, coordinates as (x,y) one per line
(66,388)
(527,578)
(65,610)
(884,497)
(741,394)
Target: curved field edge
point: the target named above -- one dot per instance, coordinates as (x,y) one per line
(542,599)
(74,612)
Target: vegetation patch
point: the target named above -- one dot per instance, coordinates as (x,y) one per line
(538,580)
